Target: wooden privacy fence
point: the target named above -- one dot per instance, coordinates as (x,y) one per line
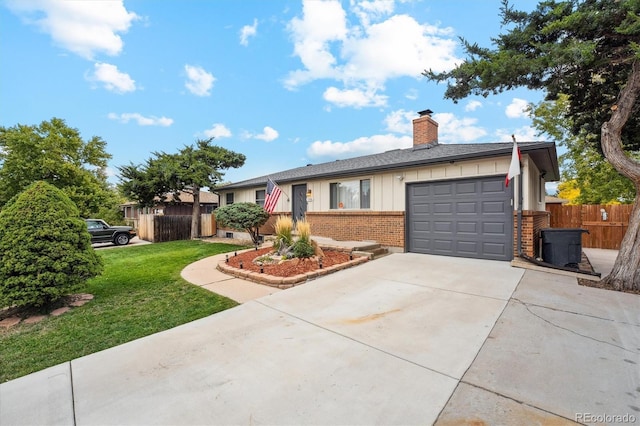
(605,230)
(159,228)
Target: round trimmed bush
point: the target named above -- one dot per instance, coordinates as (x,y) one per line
(45,248)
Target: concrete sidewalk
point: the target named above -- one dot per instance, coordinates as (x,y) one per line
(405,339)
(203,273)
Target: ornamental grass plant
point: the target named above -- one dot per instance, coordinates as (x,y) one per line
(284,234)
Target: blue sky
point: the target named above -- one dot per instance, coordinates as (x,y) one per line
(286,83)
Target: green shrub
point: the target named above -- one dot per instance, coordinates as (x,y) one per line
(243,217)
(303,249)
(45,248)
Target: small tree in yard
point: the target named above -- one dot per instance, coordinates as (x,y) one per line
(45,249)
(243,217)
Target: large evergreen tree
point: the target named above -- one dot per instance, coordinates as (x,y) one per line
(588,50)
(190,170)
(45,248)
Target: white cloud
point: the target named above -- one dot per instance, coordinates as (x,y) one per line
(361,146)
(357,98)
(551,187)
(112,79)
(397,47)
(110,172)
(472,105)
(322,22)
(452,129)
(411,94)
(82,27)
(364,55)
(517,108)
(218,130)
(368,11)
(400,121)
(268,134)
(141,120)
(199,82)
(248,31)
(523,134)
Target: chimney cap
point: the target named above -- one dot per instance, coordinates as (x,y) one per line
(426,112)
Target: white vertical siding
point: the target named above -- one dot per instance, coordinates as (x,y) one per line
(388,190)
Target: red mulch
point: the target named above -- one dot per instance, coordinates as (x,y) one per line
(287,268)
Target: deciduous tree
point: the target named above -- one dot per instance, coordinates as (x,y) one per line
(587,177)
(588,50)
(55,153)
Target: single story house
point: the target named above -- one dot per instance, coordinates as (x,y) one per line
(447,199)
(170,207)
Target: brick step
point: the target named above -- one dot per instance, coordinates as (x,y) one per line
(373,251)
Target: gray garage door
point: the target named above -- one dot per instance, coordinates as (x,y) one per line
(465,218)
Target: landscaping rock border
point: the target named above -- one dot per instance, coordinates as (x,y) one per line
(286,282)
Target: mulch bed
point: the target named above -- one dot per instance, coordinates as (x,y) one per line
(287,268)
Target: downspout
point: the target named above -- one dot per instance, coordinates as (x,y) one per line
(519,219)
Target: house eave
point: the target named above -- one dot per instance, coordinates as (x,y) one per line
(543,154)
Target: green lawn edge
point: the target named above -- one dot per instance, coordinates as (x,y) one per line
(140,293)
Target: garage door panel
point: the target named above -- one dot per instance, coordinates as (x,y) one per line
(442,189)
(494,228)
(443,208)
(493,207)
(421,209)
(478,224)
(492,187)
(421,226)
(443,226)
(443,246)
(420,191)
(465,207)
(496,249)
(467,228)
(466,188)
(467,247)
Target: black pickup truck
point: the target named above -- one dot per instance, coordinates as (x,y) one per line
(101,232)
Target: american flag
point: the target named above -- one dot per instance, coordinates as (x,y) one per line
(272,196)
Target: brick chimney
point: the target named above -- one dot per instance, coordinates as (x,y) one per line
(425,130)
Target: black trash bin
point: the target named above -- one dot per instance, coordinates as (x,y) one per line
(562,246)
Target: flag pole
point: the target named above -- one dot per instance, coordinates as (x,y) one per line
(520,201)
(288,199)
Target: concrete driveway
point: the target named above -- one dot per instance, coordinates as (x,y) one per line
(135,241)
(405,339)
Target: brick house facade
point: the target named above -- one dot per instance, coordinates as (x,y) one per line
(384,189)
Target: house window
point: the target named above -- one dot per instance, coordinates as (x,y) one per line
(260,194)
(352,194)
(229,198)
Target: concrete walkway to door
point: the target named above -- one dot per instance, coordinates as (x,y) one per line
(405,339)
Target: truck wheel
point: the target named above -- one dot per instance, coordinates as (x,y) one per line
(121,240)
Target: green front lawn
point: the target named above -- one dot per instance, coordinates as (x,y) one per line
(139,293)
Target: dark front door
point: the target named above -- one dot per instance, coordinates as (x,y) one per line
(299,205)
(465,217)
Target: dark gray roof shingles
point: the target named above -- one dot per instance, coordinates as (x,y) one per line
(394,159)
